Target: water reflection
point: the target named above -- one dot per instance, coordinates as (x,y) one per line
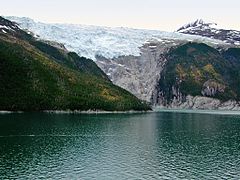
(119,146)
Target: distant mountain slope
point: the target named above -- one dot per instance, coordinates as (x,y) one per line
(211,30)
(35,75)
(199,70)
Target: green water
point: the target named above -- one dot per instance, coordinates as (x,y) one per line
(163,145)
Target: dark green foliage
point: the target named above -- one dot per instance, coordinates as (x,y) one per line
(69,59)
(49,50)
(233,52)
(86,65)
(233,57)
(191,65)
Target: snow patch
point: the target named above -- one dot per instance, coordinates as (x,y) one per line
(4,31)
(6,27)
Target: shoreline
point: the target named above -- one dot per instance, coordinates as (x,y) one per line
(74,112)
(155,110)
(92,112)
(199,111)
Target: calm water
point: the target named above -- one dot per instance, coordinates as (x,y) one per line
(166,145)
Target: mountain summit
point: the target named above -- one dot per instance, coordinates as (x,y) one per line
(197,23)
(211,30)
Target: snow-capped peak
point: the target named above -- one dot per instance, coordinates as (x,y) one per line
(211,30)
(201,22)
(197,23)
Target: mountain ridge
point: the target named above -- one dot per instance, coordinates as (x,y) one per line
(195,23)
(211,30)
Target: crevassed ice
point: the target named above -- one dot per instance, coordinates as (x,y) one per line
(90,41)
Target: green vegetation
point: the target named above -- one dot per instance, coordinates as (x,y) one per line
(191,66)
(69,59)
(37,76)
(233,57)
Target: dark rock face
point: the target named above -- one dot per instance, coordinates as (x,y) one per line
(211,30)
(6,24)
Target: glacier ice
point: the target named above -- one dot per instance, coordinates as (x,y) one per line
(92,41)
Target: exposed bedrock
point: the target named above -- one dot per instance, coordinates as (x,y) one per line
(138,74)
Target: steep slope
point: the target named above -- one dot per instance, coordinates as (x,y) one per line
(35,75)
(211,30)
(233,57)
(196,69)
(69,59)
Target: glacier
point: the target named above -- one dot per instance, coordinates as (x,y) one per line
(92,41)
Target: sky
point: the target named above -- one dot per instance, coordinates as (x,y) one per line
(167,15)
